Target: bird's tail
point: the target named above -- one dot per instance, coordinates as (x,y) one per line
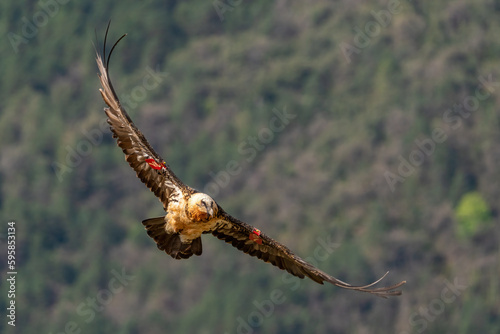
(171,242)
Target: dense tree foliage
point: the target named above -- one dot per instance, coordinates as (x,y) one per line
(362,134)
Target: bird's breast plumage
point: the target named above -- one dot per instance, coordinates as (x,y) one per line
(178,221)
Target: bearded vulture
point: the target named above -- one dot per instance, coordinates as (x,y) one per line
(190,213)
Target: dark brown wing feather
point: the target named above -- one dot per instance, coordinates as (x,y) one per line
(255,243)
(162,182)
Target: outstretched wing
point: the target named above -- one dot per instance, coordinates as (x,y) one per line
(255,243)
(148,165)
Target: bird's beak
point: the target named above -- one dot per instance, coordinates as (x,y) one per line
(209,210)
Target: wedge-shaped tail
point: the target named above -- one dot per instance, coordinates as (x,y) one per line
(171,242)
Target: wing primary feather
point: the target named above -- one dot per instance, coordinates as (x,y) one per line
(105,42)
(162,182)
(106,61)
(255,243)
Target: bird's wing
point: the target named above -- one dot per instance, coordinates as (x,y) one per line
(148,165)
(255,243)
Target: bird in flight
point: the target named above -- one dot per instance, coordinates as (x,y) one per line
(190,213)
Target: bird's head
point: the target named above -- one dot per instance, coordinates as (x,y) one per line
(201,207)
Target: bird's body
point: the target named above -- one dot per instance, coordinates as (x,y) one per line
(189,213)
(191,217)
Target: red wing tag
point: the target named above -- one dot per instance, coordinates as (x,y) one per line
(255,236)
(153,164)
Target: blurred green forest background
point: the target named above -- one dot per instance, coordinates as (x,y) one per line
(389,161)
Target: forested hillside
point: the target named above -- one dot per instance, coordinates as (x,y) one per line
(364,135)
